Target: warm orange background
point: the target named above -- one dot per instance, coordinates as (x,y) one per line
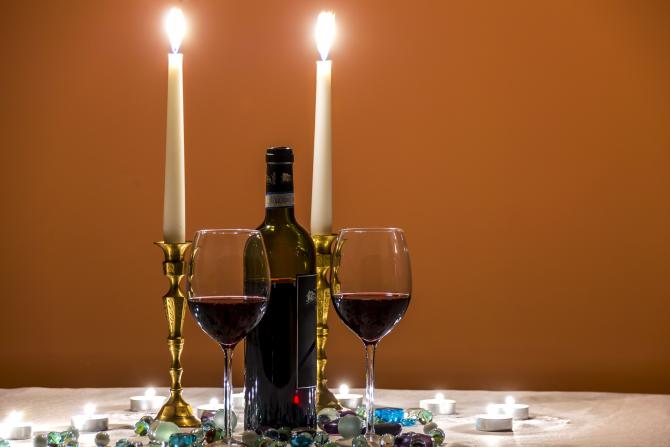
(524,146)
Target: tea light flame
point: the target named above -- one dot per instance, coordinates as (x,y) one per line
(325,33)
(214,401)
(89,409)
(491,409)
(175,26)
(439,396)
(150,392)
(509,400)
(344,389)
(14,417)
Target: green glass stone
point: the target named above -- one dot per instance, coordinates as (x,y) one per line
(4,443)
(249,437)
(278,444)
(361,410)
(122,443)
(54,438)
(330,444)
(424,416)
(219,419)
(320,438)
(349,426)
(102,439)
(438,436)
(429,426)
(263,441)
(142,427)
(359,441)
(388,440)
(40,440)
(148,419)
(162,431)
(199,435)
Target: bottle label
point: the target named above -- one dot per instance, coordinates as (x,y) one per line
(306,331)
(278,200)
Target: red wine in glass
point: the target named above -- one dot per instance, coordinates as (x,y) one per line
(371,315)
(227,319)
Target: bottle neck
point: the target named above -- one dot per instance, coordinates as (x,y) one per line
(279,193)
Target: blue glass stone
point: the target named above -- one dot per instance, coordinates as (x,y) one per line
(438,436)
(389,414)
(54,438)
(359,441)
(182,440)
(101,439)
(301,441)
(321,438)
(142,427)
(199,434)
(122,443)
(208,425)
(40,441)
(391,427)
(4,443)
(349,426)
(408,422)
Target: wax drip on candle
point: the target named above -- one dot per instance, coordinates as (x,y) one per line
(175,25)
(325,33)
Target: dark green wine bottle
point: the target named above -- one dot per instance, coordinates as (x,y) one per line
(280,353)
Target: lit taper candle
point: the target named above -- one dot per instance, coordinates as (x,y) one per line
(174,206)
(322,173)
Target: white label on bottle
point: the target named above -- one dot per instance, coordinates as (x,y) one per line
(278,200)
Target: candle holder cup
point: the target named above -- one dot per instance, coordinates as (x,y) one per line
(323,244)
(175,409)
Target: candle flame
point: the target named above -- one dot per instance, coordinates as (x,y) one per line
(214,401)
(89,409)
(150,392)
(344,389)
(509,400)
(491,409)
(14,417)
(175,26)
(439,396)
(325,33)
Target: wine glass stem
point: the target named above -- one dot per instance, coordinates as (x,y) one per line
(227,392)
(370,386)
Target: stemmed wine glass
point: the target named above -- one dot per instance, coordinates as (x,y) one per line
(371,285)
(228,287)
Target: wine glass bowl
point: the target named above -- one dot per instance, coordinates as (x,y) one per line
(228,286)
(371,287)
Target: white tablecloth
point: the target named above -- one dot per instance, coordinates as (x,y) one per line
(557,418)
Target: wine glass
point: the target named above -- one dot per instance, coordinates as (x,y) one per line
(228,287)
(371,285)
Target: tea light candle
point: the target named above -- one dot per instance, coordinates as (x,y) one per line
(14,428)
(438,405)
(213,405)
(511,408)
(148,402)
(347,399)
(493,420)
(89,421)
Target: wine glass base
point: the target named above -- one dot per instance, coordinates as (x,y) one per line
(229,442)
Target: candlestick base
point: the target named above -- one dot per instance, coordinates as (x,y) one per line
(323,244)
(175,409)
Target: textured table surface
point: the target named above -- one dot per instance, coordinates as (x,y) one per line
(557,418)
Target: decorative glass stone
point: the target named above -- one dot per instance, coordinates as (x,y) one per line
(208,425)
(210,434)
(148,419)
(389,414)
(321,438)
(301,441)
(387,439)
(278,444)
(122,443)
(162,430)
(54,438)
(421,440)
(331,427)
(4,443)
(101,439)
(383,428)
(72,443)
(249,437)
(361,410)
(359,441)
(136,444)
(349,426)
(424,416)
(428,427)
(438,436)
(40,441)
(199,434)
(263,441)
(142,427)
(330,444)
(326,415)
(219,419)
(272,434)
(347,412)
(408,422)
(71,434)
(182,440)
(284,434)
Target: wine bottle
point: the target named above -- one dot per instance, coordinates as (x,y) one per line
(280,353)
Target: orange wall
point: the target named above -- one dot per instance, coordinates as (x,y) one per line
(524,146)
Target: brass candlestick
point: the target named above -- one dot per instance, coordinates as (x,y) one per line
(323,243)
(175,409)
